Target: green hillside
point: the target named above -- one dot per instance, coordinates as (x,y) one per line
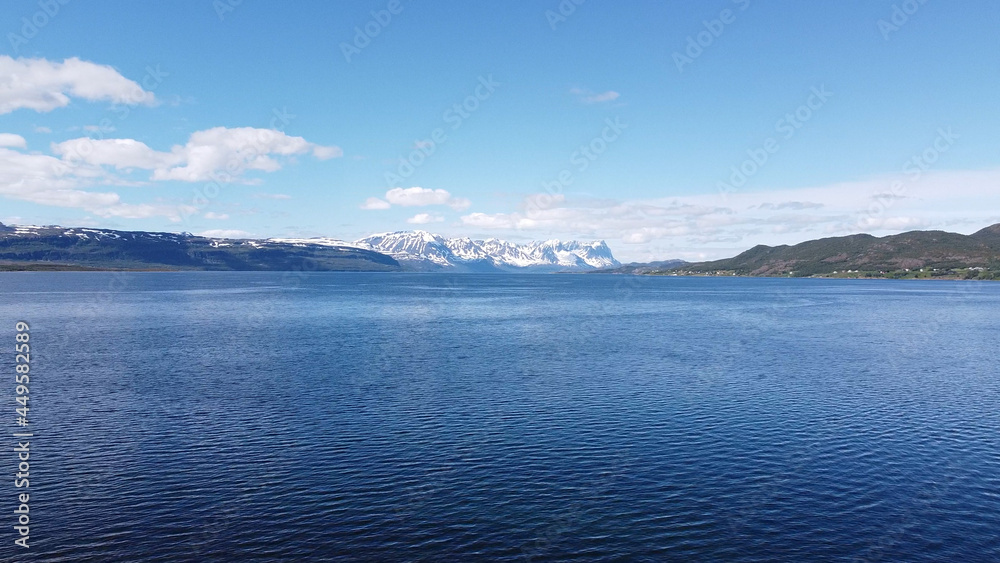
(912,254)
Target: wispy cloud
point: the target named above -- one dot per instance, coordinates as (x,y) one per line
(588,97)
(76,166)
(424,218)
(47,180)
(374,203)
(709,226)
(795,205)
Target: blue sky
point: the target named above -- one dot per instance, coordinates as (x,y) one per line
(524,121)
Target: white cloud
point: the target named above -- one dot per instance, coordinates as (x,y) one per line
(375,203)
(41,129)
(420,197)
(225,233)
(12,140)
(220,150)
(214,215)
(424,218)
(271,196)
(220,153)
(416,197)
(43,85)
(117,153)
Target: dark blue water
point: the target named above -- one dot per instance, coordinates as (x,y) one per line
(396,417)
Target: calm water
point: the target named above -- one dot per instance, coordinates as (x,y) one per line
(396,417)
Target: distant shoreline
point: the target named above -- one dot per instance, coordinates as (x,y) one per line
(39,267)
(816,277)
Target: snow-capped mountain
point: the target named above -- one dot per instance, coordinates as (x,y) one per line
(423,250)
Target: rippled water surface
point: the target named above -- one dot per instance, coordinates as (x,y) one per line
(426,417)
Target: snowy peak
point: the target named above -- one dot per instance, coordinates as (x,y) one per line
(573,253)
(596,254)
(412,245)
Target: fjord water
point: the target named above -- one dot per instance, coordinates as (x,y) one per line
(430,417)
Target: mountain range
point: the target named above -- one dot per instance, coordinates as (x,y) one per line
(54,247)
(911,254)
